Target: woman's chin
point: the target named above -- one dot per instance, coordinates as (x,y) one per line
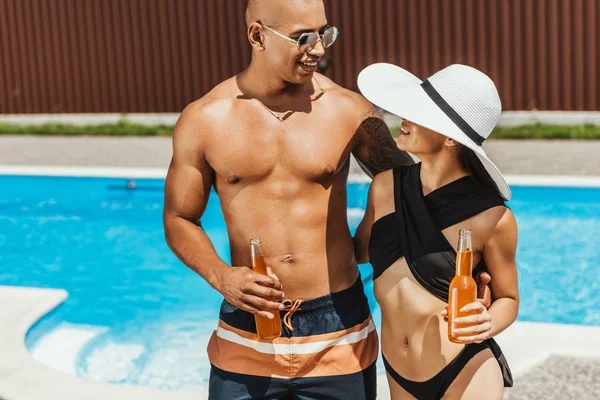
(402,143)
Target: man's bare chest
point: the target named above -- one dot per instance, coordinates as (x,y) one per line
(305,148)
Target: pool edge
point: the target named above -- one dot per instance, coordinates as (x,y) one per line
(160,173)
(22,377)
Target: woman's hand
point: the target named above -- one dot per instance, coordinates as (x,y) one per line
(478,332)
(484,293)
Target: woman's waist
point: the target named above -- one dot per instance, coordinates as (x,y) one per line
(413,326)
(417,335)
(418,350)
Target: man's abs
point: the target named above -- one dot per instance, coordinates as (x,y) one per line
(305,238)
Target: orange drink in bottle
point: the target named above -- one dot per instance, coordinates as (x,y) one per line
(463,288)
(265,328)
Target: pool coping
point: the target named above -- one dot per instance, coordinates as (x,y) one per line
(160,173)
(525,345)
(24,378)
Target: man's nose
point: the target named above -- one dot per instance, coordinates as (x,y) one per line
(318,50)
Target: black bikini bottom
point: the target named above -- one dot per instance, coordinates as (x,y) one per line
(435,387)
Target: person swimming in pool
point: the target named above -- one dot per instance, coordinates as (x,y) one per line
(275,143)
(411,224)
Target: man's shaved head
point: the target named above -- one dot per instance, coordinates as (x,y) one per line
(271,12)
(268,20)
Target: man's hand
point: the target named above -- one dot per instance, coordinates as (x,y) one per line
(484,293)
(250,291)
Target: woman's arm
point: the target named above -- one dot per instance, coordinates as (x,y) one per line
(363,232)
(499,254)
(379,202)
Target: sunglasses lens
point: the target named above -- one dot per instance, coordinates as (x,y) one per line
(307,41)
(330,36)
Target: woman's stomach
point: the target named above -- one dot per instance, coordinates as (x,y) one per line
(414,335)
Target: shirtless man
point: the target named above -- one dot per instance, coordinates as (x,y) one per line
(275,142)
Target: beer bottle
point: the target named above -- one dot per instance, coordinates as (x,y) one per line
(463,288)
(265,328)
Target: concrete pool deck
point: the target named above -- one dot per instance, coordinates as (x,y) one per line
(513,157)
(548,361)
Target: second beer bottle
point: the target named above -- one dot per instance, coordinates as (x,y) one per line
(266,328)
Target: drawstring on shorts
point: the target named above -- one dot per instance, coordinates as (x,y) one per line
(291,307)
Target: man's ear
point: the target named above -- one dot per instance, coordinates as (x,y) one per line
(255,36)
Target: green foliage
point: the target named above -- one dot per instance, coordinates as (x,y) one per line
(121,128)
(128,128)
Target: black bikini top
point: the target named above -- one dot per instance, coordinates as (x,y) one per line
(414,230)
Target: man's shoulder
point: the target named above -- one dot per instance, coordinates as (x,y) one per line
(336,90)
(213,107)
(346,99)
(217,101)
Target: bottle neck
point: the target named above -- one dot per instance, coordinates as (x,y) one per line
(464,255)
(464,263)
(256,248)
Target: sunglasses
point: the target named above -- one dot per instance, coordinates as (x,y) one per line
(308,40)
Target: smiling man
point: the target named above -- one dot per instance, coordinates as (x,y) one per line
(275,143)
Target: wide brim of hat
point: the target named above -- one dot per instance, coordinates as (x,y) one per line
(399,92)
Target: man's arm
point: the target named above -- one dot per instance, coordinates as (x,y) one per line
(187,188)
(376,150)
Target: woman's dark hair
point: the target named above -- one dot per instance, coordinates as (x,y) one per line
(472,164)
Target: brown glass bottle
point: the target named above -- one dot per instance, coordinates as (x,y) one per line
(463,288)
(266,328)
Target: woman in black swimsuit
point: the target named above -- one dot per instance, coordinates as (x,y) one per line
(410,230)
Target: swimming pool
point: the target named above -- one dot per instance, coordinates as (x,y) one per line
(149,317)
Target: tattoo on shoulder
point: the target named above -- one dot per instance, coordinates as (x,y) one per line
(383,154)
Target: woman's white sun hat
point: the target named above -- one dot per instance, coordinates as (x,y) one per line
(459,102)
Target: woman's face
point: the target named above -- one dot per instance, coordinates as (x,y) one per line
(419,140)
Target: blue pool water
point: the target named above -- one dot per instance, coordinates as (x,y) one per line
(105,245)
